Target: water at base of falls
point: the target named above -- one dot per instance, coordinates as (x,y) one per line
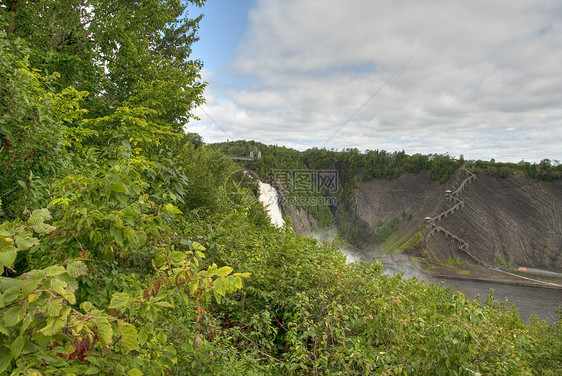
(270,201)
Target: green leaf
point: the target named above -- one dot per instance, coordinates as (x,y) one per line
(218,297)
(11,293)
(92,370)
(24,243)
(39,215)
(117,234)
(128,336)
(17,346)
(5,359)
(143,336)
(135,372)
(193,285)
(43,228)
(76,269)
(198,246)
(219,286)
(37,221)
(172,209)
(179,188)
(141,236)
(136,189)
(13,315)
(120,300)
(119,187)
(27,321)
(64,201)
(66,294)
(126,144)
(30,284)
(176,257)
(164,304)
(87,306)
(5,243)
(224,271)
(54,325)
(159,259)
(105,332)
(238,282)
(8,258)
(53,271)
(53,307)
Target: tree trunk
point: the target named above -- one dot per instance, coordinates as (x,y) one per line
(13,7)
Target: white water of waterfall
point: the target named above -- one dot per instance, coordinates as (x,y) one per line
(270,201)
(350,257)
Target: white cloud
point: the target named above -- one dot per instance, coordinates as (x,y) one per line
(485,79)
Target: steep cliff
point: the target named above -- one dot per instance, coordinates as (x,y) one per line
(301,221)
(513,220)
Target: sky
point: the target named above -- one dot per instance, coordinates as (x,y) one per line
(477,78)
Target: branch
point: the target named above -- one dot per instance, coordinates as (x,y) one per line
(10,191)
(261,352)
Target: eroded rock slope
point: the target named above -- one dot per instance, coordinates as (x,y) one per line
(513,219)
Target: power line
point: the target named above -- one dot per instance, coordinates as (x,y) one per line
(218,125)
(371,97)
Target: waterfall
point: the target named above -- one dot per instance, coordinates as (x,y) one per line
(270,201)
(350,257)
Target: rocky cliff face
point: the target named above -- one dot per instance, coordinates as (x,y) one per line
(512,218)
(504,220)
(301,222)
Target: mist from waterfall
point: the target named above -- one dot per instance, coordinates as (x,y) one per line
(270,201)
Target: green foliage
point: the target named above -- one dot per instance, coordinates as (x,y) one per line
(32,127)
(43,321)
(328,318)
(130,128)
(380,164)
(443,167)
(387,230)
(544,171)
(500,259)
(450,262)
(511,262)
(125,53)
(412,242)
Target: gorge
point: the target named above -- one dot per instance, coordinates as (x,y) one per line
(514,219)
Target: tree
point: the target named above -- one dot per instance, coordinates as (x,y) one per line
(32,126)
(133,53)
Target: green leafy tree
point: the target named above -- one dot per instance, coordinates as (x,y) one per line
(33,127)
(124,53)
